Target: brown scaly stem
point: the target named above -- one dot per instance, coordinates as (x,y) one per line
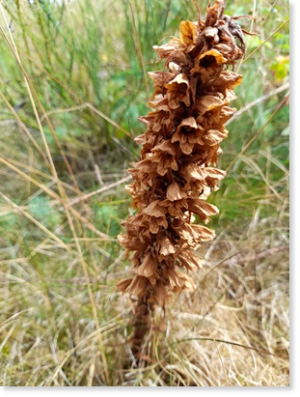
(141,324)
(179,155)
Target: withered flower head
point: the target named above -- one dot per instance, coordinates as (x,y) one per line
(177,171)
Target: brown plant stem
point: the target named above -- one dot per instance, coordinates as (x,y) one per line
(141,324)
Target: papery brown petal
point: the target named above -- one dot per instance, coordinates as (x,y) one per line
(148,266)
(188,283)
(213,13)
(122,285)
(214,173)
(204,234)
(141,139)
(160,294)
(187,127)
(190,261)
(187,147)
(179,281)
(178,80)
(174,67)
(160,102)
(230,95)
(167,248)
(175,193)
(138,285)
(193,172)
(226,114)
(175,208)
(163,222)
(160,78)
(153,280)
(165,147)
(154,227)
(130,188)
(188,122)
(213,53)
(155,210)
(165,50)
(179,137)
(196,137)
(209,102)
(228,80)
(214,137)
(187,32)
(211,33)
(178,91)
(122,238)
(165,163)
(202,208)
(195,233)
(224,48)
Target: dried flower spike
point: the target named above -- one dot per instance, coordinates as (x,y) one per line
(177,171)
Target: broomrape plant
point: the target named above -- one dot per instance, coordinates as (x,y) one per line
(177,170)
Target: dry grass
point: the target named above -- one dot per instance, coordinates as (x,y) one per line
(233,331)
(62,321)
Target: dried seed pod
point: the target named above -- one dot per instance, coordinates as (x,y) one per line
(176,172)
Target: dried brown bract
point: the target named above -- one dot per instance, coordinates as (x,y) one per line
(177,171)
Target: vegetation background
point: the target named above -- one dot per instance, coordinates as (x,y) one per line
(73,81)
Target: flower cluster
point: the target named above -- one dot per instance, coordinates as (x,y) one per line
(179,154)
